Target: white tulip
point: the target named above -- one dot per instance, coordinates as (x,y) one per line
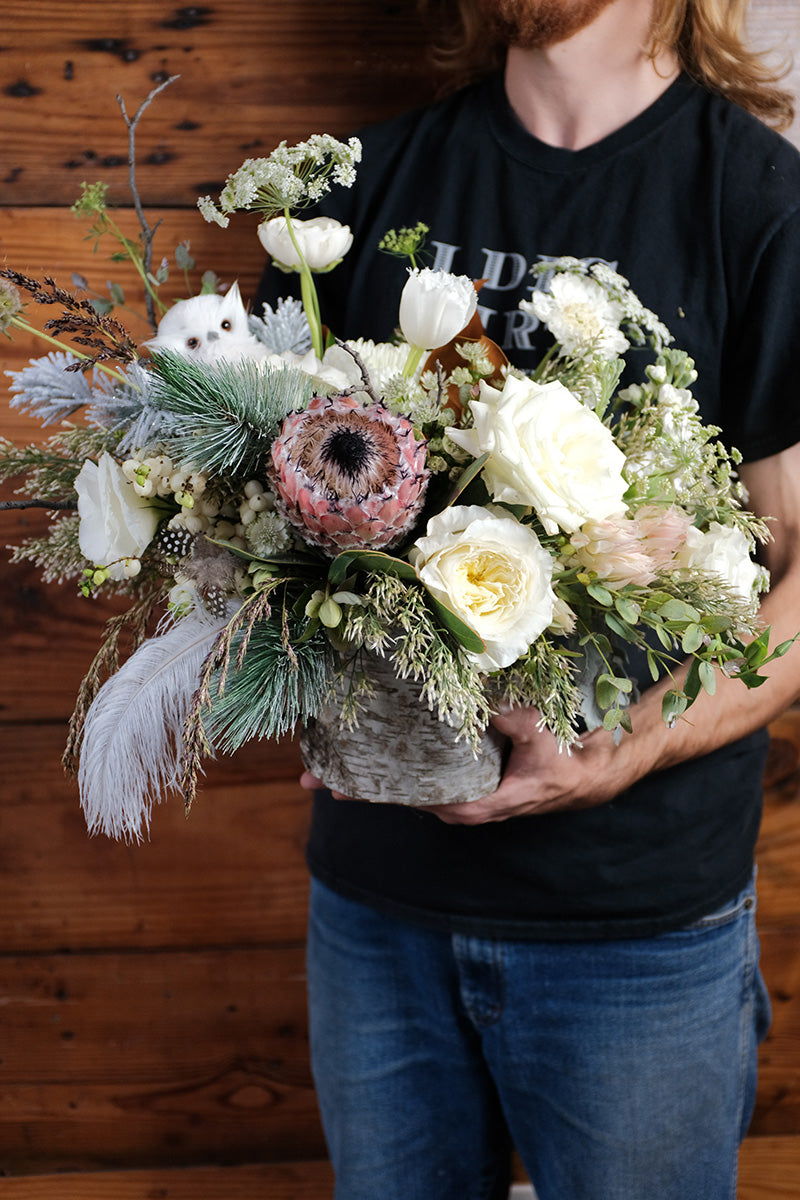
(115,523)
(322,241)
(435,306)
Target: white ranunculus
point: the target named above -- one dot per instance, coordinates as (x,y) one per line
(115,523)
(323,241)
(494,573)
(581,316)
(546,449)
(435,306)
(725,552)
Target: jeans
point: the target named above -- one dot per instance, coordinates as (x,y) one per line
(621,1070)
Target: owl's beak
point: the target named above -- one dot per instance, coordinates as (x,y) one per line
(212,335)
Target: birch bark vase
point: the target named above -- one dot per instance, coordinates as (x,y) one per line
(400,752)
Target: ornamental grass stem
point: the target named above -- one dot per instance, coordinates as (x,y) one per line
(24,327)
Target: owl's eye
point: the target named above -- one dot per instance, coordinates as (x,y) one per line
(226,324)
(193,343)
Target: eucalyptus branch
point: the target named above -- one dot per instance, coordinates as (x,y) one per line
(148,230)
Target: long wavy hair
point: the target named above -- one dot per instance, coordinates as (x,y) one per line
(707,35)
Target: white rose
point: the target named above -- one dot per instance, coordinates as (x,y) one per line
(435,306)
(494,573)
(581,316)
(115,523)
(723,551)
(323,242)
(547,450)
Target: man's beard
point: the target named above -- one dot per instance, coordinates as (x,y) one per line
(534,24)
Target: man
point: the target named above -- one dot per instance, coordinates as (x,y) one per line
(574,958)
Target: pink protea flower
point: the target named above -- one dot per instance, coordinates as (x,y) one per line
(623,549)
(348,477)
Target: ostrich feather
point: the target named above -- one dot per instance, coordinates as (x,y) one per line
(131,750)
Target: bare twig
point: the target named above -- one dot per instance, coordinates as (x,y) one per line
(54,504)
(358,360)
(148,230)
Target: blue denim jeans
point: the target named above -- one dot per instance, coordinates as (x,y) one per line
(622,1070)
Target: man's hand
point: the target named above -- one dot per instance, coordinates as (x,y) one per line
(539,778)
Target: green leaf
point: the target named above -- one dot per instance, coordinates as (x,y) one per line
(757,651)
(183,259)
(368,560)
(612,719)
(692,685)
(116,293)
(652,663)
(600,594)
(678,610)
(626,632)
(673,705)
(466,477)
(295,558)
(708,677)
(628,609)
(692,638)
(664,637)
(460,630)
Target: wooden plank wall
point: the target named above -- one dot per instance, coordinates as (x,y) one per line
(152,997)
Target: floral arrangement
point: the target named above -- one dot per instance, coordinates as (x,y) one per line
(277,509)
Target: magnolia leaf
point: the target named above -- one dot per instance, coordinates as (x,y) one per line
(464,633)
(285,557)
(368,560)
(466,477)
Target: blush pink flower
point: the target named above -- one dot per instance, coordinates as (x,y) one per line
(623,549)
(348,477)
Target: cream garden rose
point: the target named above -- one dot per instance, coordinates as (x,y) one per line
(494,573)
(115,524)
(546,449)
(323,242)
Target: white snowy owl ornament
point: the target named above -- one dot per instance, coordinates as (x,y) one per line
(209,328)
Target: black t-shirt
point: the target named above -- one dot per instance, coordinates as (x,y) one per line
(698,205)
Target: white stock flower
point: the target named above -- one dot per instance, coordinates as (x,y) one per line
(435,306)
(546,449)
(581,316)
(115,523)
(725,552)
(494,573)
(323,241)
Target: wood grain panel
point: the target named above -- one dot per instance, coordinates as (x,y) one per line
(52,241)
(778,1102)
(267,1181)
(161,1058)
(250,75)
(769,1168)
(231,873)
